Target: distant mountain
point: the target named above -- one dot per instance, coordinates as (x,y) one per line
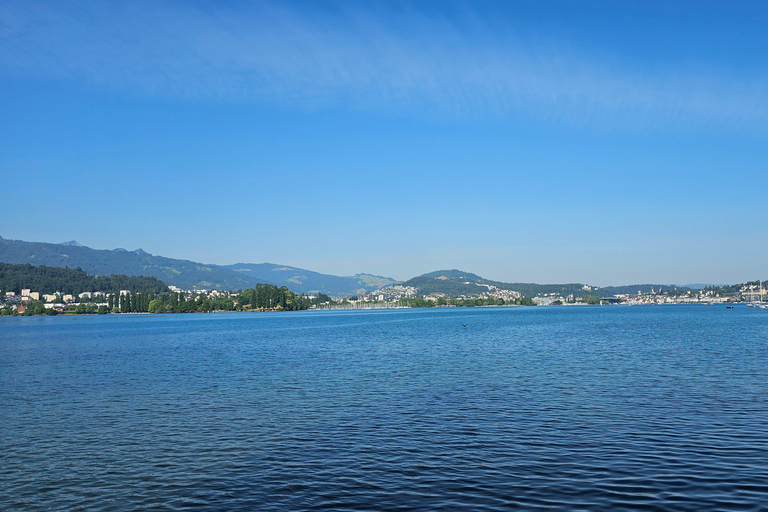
(306,281)
(184,273)
(456,283)
(700,286)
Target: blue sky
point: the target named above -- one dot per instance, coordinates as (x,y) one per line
(524,141)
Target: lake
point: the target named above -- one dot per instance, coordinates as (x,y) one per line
(564,408)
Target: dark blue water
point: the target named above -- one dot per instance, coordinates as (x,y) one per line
(592,408)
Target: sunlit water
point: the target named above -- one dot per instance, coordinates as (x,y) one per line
(590,408)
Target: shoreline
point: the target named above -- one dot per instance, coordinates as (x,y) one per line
(353,308)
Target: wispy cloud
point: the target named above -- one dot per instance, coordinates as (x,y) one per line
(399,61)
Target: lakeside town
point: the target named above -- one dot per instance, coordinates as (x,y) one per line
(29,301)
(397,296)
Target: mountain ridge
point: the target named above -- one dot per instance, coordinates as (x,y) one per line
(189,274)
(307,281)
(185,274)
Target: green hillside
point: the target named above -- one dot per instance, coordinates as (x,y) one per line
(48,280)
(372,282)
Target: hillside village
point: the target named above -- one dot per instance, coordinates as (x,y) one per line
(661,295)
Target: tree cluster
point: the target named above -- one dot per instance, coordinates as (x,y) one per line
(178,303)
(129,302)
(270,297)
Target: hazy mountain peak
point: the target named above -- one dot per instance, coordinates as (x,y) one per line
(72,243)
(445,275)
(365,274)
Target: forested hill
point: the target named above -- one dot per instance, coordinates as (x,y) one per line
(49,280)
(452,283)
(456,282)
(184,273)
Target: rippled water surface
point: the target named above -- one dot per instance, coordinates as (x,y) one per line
(591,408)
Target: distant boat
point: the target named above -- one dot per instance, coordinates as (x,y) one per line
(759,304)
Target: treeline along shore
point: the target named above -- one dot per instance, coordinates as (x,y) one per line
(28,290)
